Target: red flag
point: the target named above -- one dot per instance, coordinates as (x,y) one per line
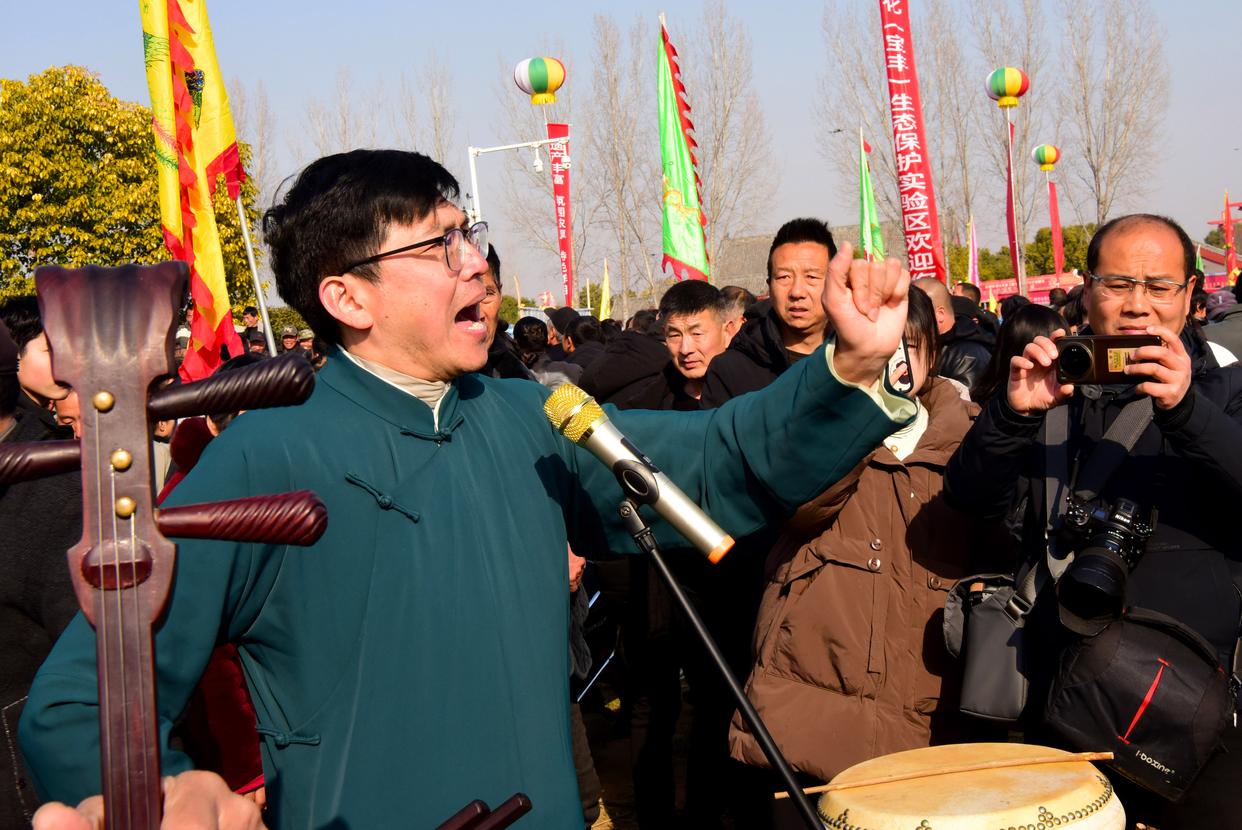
(1010,220)
(924,253)
(1054,214)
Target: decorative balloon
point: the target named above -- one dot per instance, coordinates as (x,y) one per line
(1006,85)
(1046,155)
(540,78)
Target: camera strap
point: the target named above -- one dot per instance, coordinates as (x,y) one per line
(1117,443)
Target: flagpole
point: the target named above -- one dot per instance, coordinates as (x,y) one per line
(254,275)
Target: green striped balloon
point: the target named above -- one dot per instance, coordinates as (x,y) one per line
(540,78)
(1006,85)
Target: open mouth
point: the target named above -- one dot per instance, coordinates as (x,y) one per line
(470,318)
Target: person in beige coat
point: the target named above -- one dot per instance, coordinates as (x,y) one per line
(850,660)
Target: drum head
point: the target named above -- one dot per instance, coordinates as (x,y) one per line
(1072,794)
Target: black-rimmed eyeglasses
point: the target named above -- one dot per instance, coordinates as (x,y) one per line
(454,247)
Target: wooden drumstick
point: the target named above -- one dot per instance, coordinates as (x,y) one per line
(910,776)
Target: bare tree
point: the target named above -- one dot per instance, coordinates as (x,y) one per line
(439,105)
(1114,42)
(347,122)
(255,125)
(951,96)
(734,155)
(620,139)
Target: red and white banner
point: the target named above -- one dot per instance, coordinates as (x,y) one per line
(924,254)
(559,151)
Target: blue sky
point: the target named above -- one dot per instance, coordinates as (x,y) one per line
(296,49)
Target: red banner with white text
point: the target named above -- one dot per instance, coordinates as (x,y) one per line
(559,151)
(924,253)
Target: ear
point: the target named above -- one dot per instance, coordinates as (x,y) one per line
(730,329)
(349,300)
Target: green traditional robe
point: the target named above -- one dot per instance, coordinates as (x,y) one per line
(416,657)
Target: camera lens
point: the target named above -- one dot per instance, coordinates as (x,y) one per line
(1075,360)
(1092,590)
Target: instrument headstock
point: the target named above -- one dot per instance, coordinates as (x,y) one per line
(111,332)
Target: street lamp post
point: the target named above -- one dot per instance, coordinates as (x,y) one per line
(476,211)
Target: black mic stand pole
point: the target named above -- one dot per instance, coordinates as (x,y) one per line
(640,488)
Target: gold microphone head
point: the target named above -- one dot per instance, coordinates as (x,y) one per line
(572,412)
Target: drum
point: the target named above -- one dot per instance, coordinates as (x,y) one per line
(1032,796)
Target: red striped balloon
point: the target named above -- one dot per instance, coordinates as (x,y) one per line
(1046,155)
(1006,85)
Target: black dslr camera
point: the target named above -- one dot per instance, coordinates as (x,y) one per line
(1109,541)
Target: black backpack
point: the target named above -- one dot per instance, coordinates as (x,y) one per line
(1151,690)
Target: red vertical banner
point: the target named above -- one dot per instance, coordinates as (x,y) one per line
(1054,217)
(924,254)
(559,151)
(1011,222)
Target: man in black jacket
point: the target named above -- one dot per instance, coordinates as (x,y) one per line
(788,326)
(1187,465)
(966,349)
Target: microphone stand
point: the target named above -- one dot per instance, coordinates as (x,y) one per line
(640,487)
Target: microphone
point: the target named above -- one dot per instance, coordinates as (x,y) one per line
(578,417)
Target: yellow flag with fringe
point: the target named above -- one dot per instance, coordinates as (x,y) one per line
(195,143)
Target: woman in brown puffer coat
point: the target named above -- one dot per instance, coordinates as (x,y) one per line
(850,660)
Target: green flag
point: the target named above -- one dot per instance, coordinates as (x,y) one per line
(1199,260)
(685,241)
(868,220)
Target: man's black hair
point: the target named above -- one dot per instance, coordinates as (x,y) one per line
(644,320)
(493,262)
(737,298)
(691,297)
(970,290)
(21,317)
(1198,300)
(1057,297)
(1011,304)
(251,310)
(582,330)
(337,212)
(1123,222)
(531,335)
(802,230)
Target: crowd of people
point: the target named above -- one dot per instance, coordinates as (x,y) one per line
(420,655)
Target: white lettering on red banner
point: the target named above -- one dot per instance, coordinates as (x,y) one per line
(558,151)
(914,180)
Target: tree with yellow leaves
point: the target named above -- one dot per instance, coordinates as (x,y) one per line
(78,184)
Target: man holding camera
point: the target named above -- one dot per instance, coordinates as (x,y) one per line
(1183,474)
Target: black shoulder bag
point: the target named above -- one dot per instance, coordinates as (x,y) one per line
(985,614)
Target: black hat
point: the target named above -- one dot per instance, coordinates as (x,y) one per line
(562,317)
(256,336)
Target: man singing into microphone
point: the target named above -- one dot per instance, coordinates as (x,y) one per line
(415,659)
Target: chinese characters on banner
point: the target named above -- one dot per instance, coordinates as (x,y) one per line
(925,256)
(559,151)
